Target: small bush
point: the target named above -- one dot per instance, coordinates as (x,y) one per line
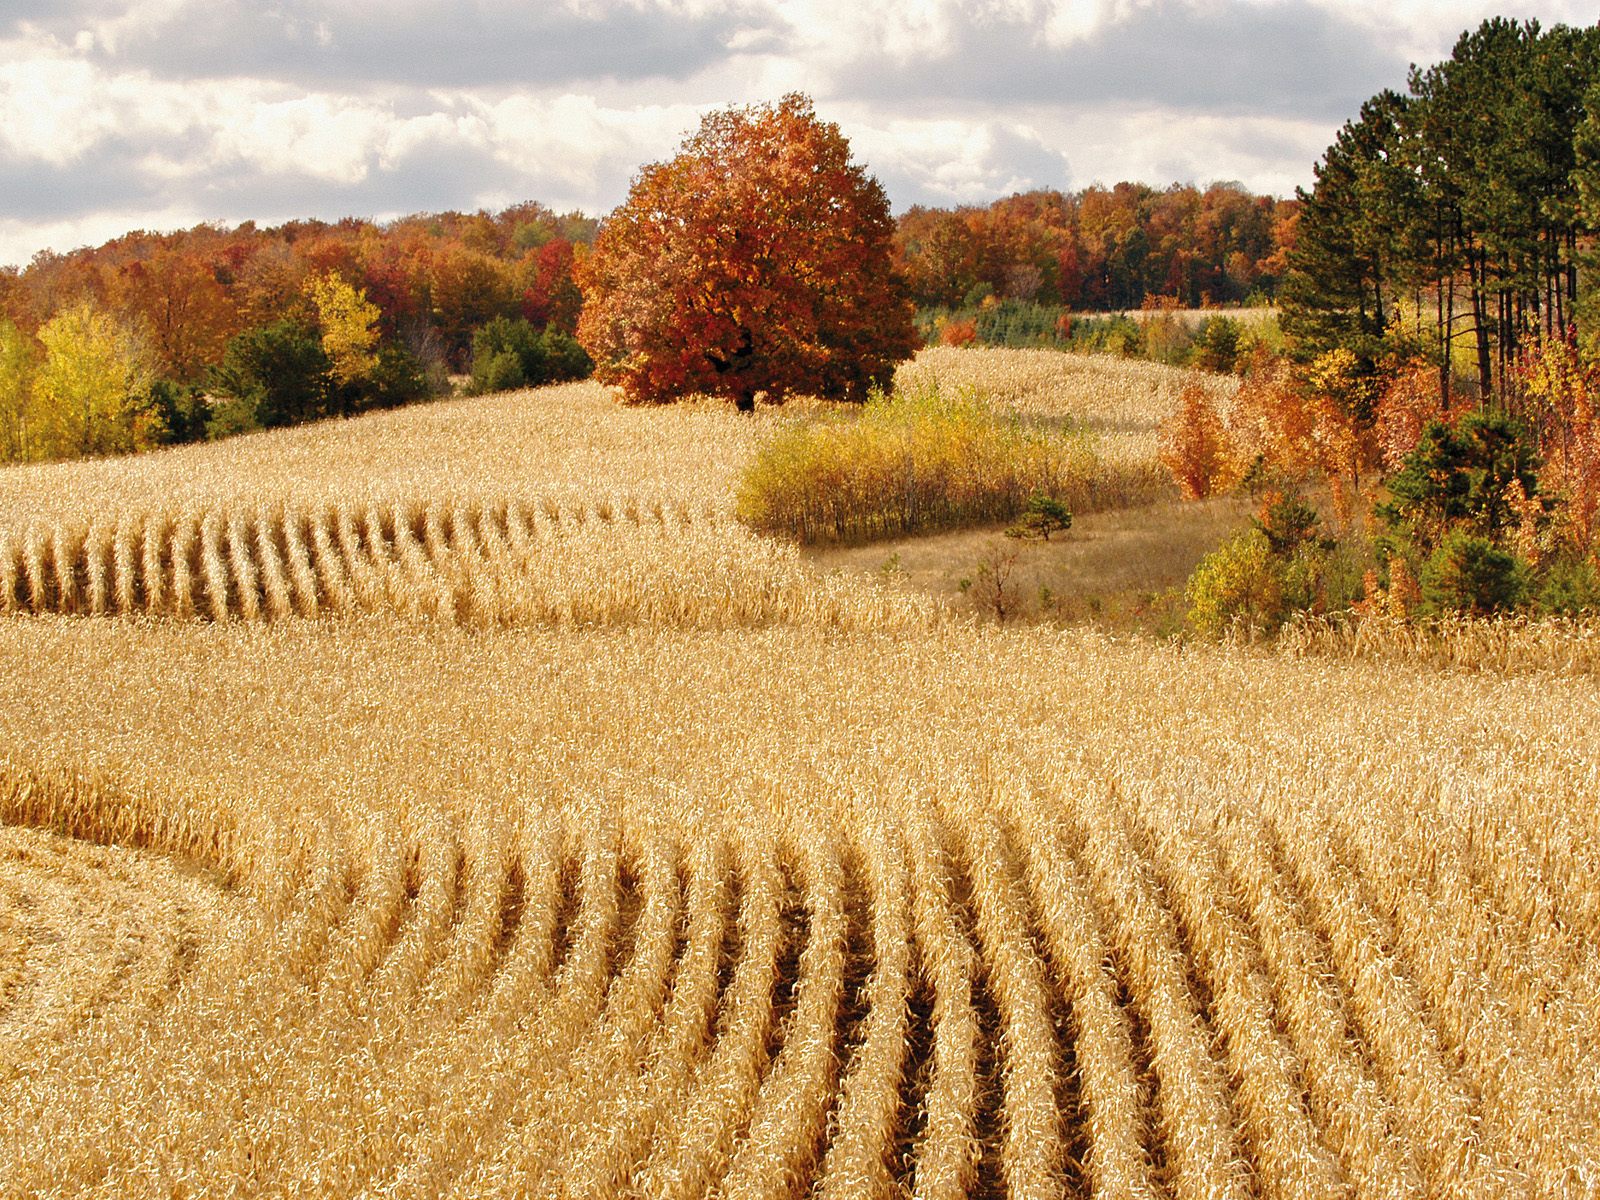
(1570,587)
(906,462)
(509,353)
(1288,522)
(1468,574)
(397,377)
(1239,584)
(182,408)
(1041,517)
(1216,345)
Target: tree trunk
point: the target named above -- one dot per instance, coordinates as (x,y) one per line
(1477,270)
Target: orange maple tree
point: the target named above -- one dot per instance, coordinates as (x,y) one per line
(758,260)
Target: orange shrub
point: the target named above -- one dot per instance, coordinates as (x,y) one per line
(1194,446)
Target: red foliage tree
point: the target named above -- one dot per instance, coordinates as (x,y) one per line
(1194,447)
(551,299)
(757,260)
(176,297)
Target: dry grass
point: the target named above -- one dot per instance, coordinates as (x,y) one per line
(571,444)
(1121,402)
(1501,645)
(1122,569)
(394,905)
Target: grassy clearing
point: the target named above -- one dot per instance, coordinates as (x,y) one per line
(1124,569)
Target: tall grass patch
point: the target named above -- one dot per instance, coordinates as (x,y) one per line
(922,458)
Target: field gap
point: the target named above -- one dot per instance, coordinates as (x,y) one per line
(567,904)
(679,880)
(513,899)
(629,883)
(989,1105)
(728,951)
(795,921)
(858,967)
(917,1072)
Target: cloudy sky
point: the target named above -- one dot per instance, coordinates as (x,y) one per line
(158,114)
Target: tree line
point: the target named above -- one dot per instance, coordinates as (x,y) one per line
(211,331)
(1455,221)
(1100,248)
(1442,380)
(163,337)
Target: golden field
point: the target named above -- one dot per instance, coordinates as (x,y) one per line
(468,806)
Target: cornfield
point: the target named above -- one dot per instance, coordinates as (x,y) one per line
(842,898)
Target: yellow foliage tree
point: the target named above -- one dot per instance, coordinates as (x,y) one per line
(91,394)
(16,381)
(349,324)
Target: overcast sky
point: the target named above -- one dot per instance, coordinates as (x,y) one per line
(158,114)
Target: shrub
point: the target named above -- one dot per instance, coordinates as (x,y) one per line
(182,408)
(508,353)
(909,461)
(564,358)
(1469,574)
(1240,584)
(1041,517)
(1570,587)
(396,377)
(959,331)
(1216,345)
(1018,324)
(1288,523)
(1167,336)
(1119,335)
(1280,566)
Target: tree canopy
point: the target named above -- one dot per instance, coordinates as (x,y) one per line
(758,260)
(1455,218)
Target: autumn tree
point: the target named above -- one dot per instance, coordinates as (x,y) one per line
(469,289)
(16,386)
(92,391)
(756,260)
(1194,445)
(189,315)
(550,296)
(349,325)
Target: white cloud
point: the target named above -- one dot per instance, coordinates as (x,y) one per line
(48,108)
(161,113)
(323,137)
(955,162)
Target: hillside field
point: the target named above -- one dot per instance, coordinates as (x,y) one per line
(460,801)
